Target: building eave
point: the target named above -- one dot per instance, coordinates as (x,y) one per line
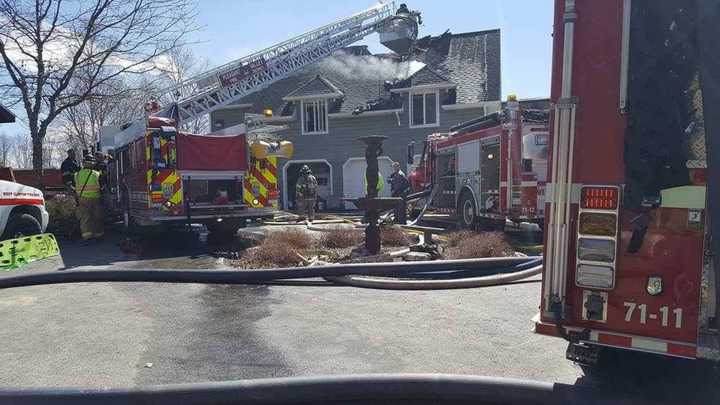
(467,106)
(366,113)
(435,86)
(314,96)
(233,107)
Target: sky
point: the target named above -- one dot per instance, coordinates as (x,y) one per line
(231,29)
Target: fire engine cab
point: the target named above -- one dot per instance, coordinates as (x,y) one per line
(489,169)
(630,212)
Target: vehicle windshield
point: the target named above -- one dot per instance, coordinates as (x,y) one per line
(203,191)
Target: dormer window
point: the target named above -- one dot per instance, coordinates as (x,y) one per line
(424,109)
(314,117)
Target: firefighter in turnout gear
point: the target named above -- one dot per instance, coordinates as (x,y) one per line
(306,193)
(90,211)
(399,187)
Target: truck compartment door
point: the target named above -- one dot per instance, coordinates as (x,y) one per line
(163,181)
(260,188)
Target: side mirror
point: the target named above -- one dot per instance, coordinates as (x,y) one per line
(411,153)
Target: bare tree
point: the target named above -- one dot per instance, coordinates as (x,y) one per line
(6,146)
(81,124)
(182,65)
(21,152)
(50,47)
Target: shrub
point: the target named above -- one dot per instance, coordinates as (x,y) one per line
(63,222)
(340,237)
(291,238)
(279,249)
(394,236)
(470,245)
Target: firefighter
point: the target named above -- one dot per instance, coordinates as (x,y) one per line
(399,187)
(90,211)
(68,168)
(306,193)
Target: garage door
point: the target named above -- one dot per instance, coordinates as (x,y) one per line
(354,178)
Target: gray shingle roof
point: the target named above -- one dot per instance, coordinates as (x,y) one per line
(471,61)
(318,86)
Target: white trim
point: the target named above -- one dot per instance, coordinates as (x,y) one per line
(233,107)
(436,86)
(437,109)
(467,106)
(366,114)
(314,96)
(285,195)
(317,116)
(625,54)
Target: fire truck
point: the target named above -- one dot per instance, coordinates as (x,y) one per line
(632,218)
(163,175)
(487,170)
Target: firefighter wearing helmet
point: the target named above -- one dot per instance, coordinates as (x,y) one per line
(306,193)
(90,210)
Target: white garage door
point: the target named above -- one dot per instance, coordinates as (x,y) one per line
(354,178)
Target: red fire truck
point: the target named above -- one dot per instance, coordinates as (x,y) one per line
(489,169)
(628,256)
(164,176)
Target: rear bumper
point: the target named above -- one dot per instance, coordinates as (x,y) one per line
(249,213)
(622,340)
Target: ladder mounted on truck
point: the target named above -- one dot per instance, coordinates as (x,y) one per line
(223,85)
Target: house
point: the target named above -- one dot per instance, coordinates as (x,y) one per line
(6,116)
(327,106)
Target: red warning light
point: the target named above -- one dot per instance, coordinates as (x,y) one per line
(600,198)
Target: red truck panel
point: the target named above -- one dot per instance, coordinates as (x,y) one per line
(671,248)
(211,153)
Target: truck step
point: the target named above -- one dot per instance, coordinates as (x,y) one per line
(582,353)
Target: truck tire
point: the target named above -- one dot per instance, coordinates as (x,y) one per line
(20,225)
(467,212)
(227,227)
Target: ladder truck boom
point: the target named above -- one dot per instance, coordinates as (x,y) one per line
(223,85)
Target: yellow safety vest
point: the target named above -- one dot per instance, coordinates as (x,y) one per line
(380,183)
(87,183)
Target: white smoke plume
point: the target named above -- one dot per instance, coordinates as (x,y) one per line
(369,67)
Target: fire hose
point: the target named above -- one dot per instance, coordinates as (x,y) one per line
(428,269)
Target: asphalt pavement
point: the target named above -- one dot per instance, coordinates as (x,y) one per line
(131,334)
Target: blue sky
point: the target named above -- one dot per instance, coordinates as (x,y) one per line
(232,29)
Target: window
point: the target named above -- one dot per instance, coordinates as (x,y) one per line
(541,139)
(314,117)
(424,111)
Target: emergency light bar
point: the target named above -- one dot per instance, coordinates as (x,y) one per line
(599,198)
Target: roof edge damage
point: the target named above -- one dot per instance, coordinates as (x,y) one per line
(355,81)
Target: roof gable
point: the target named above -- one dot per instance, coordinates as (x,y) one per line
(316,87)
(427,77)
(6,116)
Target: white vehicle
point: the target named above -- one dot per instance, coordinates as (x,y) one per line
(22,210)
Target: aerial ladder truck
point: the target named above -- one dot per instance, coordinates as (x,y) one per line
(164,176)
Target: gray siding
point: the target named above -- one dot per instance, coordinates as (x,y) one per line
(341,142)
(227,117)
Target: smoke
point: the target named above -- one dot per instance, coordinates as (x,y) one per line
(368,67)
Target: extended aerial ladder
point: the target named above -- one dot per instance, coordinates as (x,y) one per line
(223,85)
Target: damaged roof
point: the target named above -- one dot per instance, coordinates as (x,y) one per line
(357,79)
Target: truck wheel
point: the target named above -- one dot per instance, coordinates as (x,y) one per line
(21,225)
(466,211)
(227,227)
